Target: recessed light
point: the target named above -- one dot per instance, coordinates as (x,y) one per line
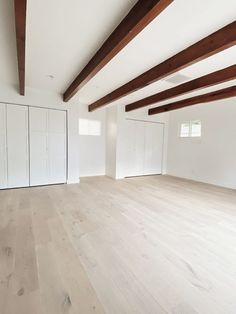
(178,78)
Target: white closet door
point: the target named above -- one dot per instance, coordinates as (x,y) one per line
(17,146)
(57,146)
(129,153)
(134,143)
(153,148)
(47,146)
(3,149)
(139,148)
(39,166)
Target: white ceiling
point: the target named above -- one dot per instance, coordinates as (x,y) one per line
(63,35)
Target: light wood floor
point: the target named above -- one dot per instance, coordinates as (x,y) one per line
(143,245)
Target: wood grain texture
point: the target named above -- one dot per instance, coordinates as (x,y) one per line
(208,46)
(20,23)
(208,80)
(200,99)
(141,245)
(143,12)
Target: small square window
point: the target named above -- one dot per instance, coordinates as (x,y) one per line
(89,127)
(191,129)
(184,129)
(83,127)
(94,127)
(196,128)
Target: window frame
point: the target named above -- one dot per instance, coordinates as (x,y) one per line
(90,131)
(190,133)
(191,129)
(180,129)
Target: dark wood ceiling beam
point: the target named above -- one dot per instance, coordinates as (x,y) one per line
(210,45)
(143,12)
(20,24)
(200,99)
(208,80)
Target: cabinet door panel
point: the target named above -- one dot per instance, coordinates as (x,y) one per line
(57,146)
(143,148)
(139,148)
(47,146)
(129,158)
(153,148)
(39,168)
(3,150)
(134,148)
(17,146)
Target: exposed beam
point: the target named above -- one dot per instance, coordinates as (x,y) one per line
(208,80)
(210,45)
(143,12)
(209,97)
(20,22)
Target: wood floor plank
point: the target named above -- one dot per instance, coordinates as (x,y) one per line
(8,209)
(81,293)
(153,245)
(21,293)
(54,295)
(25,276)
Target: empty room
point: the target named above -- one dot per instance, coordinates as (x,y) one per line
(117,157)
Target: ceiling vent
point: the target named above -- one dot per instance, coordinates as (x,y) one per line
(178,79)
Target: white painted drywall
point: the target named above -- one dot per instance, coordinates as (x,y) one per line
(61,55)
(92,149)
(212,158)
(111,141)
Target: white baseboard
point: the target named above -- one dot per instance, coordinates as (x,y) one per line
(73,181)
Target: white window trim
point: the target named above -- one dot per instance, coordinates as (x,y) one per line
(190,131)
(180,128)
(190,123)
(90,131)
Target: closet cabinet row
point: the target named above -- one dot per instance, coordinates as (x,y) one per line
(32,146)
(143,143)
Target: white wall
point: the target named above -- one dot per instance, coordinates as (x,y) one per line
(212,158)
(92,149)
(111,141)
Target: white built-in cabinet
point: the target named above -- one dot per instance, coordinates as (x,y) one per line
(17,146)
(47,146)
(143,148)
(14,155)
(32,146)
(3,147)
(153,150)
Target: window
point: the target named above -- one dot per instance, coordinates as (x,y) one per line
(196,128)
(184,129)
(191,129)
(89,127)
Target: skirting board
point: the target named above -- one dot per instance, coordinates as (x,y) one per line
(73,181)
